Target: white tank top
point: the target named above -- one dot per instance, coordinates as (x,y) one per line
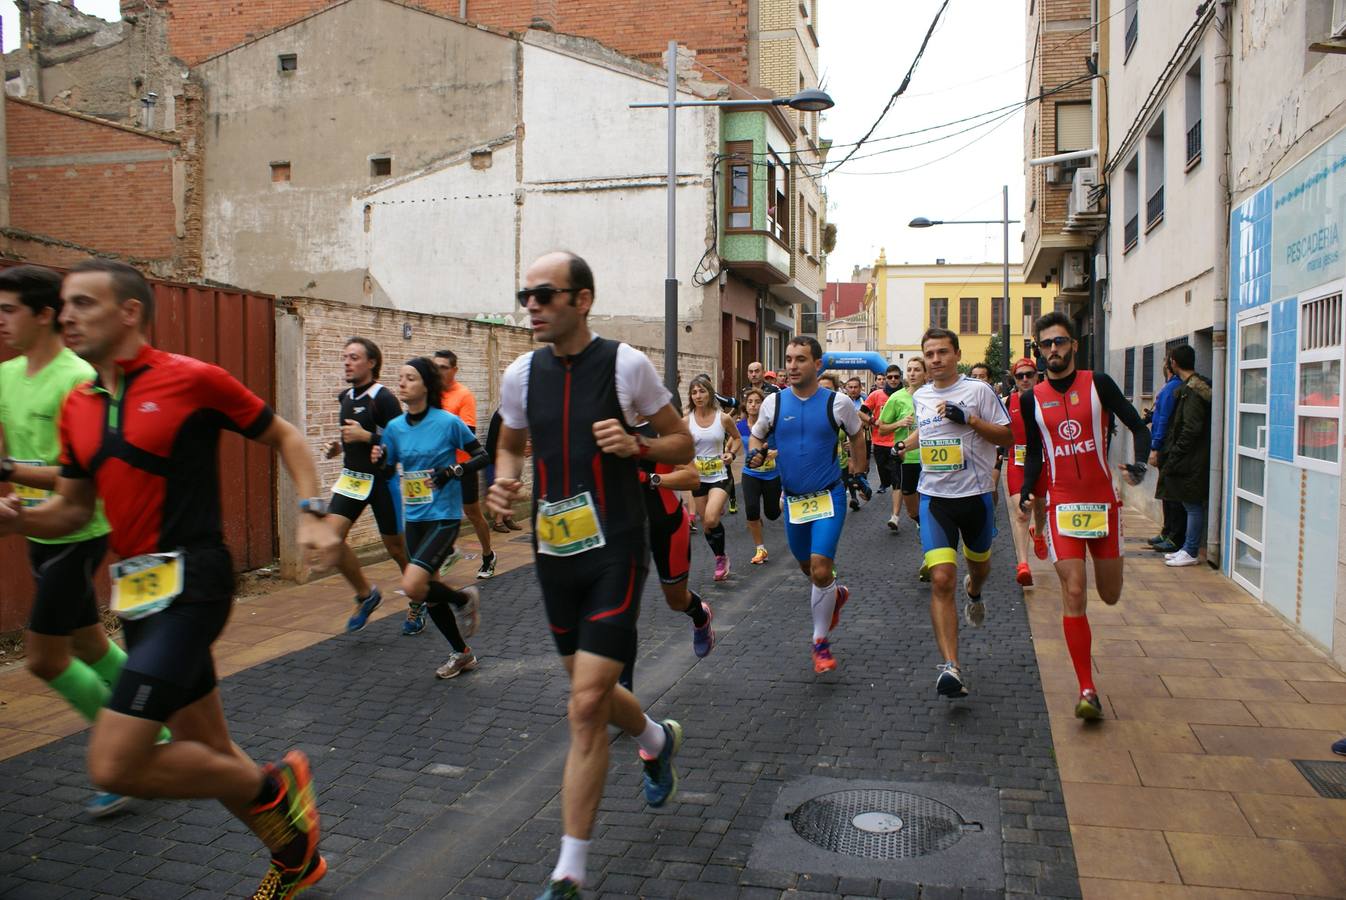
(709,444)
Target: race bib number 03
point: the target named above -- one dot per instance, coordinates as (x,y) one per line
(810,507)
(418,488)
(1020,454)
(145,585)
(942,455)
(1082,520)
(29,496)
(569,526)
(709,466)
(355,485)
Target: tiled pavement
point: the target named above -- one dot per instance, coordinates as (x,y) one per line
(1186,790)
(434,789)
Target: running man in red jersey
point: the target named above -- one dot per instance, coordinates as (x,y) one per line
(1067,420)
(1025,374)
(143,438)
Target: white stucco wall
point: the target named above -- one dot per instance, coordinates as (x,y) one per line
(904,313)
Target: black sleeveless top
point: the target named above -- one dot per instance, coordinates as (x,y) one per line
(566,396)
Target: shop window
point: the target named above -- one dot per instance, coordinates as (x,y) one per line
(738,186)
(1318,384)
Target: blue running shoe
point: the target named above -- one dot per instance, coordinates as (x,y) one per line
(703,638)
(661,779)
(104,804)
(363,610)
(564,889)
(415,622)
(1339,747)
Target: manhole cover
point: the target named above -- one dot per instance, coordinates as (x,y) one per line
(1328,778)
(878,824)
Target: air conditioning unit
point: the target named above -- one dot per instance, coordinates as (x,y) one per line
(1101,266)
(1074,275)
(1083,191)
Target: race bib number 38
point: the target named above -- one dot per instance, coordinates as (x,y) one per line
(144,585)
(1082,520)
(810,507)
(418,488)
(355,485)
(569,526)
(942,455)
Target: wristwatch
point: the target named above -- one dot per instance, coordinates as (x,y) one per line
(655,480)
(900,447)
(6,468)
(314,506)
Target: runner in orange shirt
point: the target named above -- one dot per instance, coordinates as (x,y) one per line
(458,400)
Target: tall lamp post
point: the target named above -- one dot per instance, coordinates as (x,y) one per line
(1005,220)
(808,101)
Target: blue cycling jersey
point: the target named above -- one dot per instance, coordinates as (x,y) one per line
(432,443)
(806,438)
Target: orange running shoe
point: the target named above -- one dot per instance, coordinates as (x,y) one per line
(843,594)
(1039,543)
(1024,575)
(291,816)
(823,661)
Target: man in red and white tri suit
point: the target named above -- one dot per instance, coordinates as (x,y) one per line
(1067,420)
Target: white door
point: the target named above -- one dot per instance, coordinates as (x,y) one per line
(1250,443)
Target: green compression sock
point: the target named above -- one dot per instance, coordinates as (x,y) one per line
(80,685)
(109,668)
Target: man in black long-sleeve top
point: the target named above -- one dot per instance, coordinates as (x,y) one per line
(1067,421)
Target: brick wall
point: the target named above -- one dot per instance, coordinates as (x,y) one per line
(76,179)
(484,352)
(716,29)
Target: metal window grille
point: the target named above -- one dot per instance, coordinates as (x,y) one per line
(1147,371)
(1320,323)
(1129,376)
(1194,142)
(1131,234)
(1154,207)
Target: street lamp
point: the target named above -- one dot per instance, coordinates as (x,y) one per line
(1005,220)
(811,100)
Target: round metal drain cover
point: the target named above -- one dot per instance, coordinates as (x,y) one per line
(875,824)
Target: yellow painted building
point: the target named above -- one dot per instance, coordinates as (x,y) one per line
(961,297)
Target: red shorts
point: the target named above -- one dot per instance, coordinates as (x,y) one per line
(1061,546)
(1014,477)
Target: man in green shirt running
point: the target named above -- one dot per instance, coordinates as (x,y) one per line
(65,643)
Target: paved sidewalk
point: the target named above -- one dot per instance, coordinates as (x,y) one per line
(1186,789)
(449,789)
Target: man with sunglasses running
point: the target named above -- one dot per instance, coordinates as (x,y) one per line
(1067,420)
(579,399)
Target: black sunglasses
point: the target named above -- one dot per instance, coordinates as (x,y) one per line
(1025,374)
(543,295)
(1049,343)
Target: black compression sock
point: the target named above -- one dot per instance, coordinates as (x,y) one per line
(715,537)
(695,611)
(269,792)
(437,600)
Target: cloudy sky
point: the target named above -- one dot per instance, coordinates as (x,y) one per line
(975,63)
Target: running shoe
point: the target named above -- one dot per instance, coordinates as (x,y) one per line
(843,594)
(293,815)
(924,574)
(661,779)
(1023,575)
(103,804)
(281,882)
(895,524)
(564,889)
(703,638)
(363,610)
(854,504)
(1039,543)
(457,664)
(883,489)
(721,567)
(823,660)
(1089,707)
(950,681)
(448,563)
(415,622)
(862,483)
(1339,747)
(487,566)
(469,614)
(691,525)
(975,611)
(1165,546)
(760,556)
(733,506)
(1180,559)
(1156,540)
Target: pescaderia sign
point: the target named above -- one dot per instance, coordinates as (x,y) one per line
(1308,216)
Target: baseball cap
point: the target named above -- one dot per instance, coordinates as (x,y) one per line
(1025,361)
(770,375)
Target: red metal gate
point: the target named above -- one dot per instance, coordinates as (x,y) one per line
(234,330)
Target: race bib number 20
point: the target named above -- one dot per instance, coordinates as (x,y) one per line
(942,455)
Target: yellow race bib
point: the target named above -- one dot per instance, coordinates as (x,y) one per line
(569,526)
(710,468)
(29,496)
(942,454)
(355,485)
(1020,453)
(418,488)
(1082,520)
(809,507)
(144,585)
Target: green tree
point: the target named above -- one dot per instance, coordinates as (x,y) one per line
(995,357)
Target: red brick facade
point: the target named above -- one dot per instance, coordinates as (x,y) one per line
(716,29)
(79,180)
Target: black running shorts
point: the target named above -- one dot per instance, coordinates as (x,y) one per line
(760,493)
(431,542)
(65,599)
(593,598)
(380,499)
(910,475)
(471,487)
(168,662)
(671,545)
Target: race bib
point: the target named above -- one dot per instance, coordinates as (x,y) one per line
(569,526)
(809,507)
(1020,453)
(768,464)
(355,485)
(942,455)
(144,585)
(709,467)
(418,488)
(29,496)
(1082,520)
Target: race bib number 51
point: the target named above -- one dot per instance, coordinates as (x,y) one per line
(569,526)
